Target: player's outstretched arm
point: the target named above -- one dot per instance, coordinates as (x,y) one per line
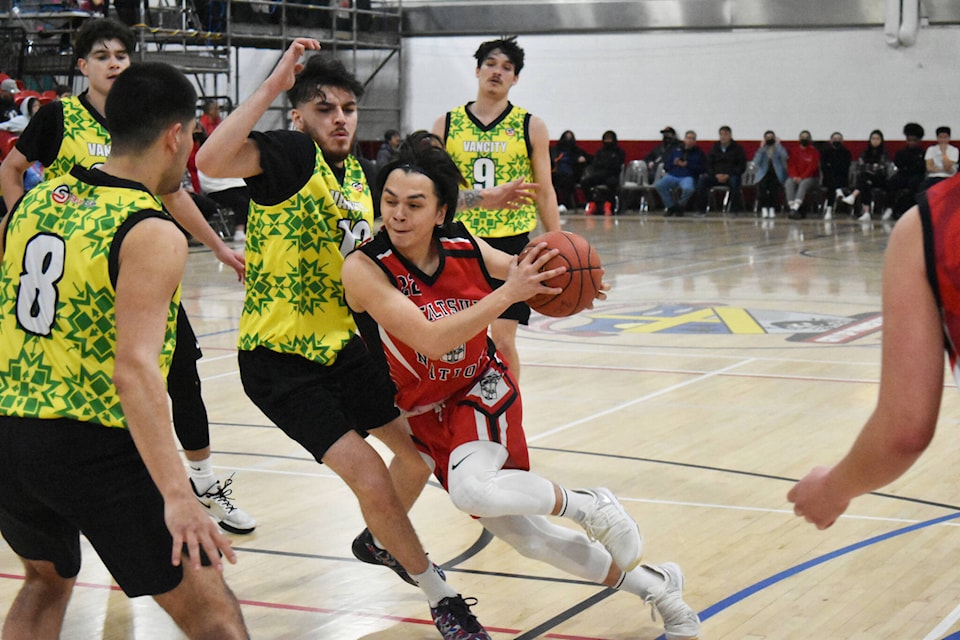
(228,153)
(509,195)
(182,207)
(911,384)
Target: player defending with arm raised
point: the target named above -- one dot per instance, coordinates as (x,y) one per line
(310,206)
(90,282)
(494,142)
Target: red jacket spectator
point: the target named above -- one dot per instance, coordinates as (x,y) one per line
(804,162)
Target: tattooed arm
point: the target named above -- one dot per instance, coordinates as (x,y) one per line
(510,195)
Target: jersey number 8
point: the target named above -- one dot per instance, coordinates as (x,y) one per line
(37,295)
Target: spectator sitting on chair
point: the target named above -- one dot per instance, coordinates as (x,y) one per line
(911,170)
(390,148)
(8,107)
(941,159)
(229,193)
(568,162)
(835,160)
(658,155)
(604,172)
(871,175)
(726,163)
(684,166)
(803,170)
(771,162)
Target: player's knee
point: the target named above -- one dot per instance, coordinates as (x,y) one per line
(472,493)
(43,575)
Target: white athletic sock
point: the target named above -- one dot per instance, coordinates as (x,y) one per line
(201,472)
(640,581)
(433,585)
(577,504)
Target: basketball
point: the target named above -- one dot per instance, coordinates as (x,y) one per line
(580,282)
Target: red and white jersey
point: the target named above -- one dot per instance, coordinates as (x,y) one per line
(940,215)
(461,279)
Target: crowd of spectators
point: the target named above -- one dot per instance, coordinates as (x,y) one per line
(804,178)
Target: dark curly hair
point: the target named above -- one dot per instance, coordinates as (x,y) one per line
(318,72)
(507,46)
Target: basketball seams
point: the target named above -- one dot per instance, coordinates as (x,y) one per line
(580,259)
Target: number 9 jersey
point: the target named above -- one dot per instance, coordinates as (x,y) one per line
(489,156)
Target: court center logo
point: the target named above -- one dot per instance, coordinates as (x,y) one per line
(714,319)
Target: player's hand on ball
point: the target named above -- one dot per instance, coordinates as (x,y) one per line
(528,273)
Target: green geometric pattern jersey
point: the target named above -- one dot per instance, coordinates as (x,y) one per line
(489,156)
(85,141)
(294,300)
(57,302)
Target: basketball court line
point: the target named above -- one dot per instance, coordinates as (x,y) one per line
(641,399)
(945,625)
(743,594)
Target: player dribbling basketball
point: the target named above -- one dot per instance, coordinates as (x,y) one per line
(427,282)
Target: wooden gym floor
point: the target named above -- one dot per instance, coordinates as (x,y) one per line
(732,355)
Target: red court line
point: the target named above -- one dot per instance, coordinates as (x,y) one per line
(342,612)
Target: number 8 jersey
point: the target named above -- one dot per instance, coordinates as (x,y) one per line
(58,298)
(489,156)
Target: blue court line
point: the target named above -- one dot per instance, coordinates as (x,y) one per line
(726,603)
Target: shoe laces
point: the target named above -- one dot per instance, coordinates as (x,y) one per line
(222,495)
(458,608)
(597,519)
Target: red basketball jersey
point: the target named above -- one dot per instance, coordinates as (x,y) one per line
(460,281)
(940,214)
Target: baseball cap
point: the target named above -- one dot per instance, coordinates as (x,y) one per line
(668,130)
(10,85)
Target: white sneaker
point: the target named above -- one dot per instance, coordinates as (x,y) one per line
(828,213)
(839,192)
(239,235)
(865,217)
(680,622)
(887,214)
(609,523)
(850,199)
(764,212)
(773,213)
(218,504)
(562,208)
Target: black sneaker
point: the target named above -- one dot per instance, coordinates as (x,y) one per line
(365,550)
(455,621)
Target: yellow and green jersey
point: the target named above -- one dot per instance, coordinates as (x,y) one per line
(294,300)
(58,298)
(490,155)
(86,142)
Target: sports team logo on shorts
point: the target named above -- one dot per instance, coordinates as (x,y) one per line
(455,355)
(490,385)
